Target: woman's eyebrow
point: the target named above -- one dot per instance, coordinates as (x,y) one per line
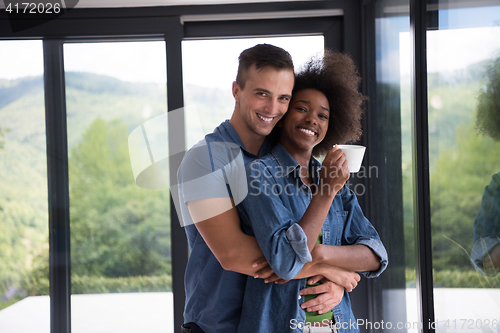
(303,101)
(309,102)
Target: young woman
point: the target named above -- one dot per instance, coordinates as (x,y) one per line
(293,202)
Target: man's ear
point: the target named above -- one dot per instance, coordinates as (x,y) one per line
(236,91)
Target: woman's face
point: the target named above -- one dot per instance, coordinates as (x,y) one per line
(306,122)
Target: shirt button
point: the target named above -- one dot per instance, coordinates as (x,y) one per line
(300,297)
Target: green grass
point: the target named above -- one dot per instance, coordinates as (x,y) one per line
(458,279)
(4,305)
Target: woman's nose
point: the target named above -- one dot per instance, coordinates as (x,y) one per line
(311,119)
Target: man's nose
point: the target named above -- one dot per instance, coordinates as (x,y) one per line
(272,106)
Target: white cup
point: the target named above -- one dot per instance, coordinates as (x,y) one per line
(354,155)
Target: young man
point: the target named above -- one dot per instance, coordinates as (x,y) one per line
(212,180)
(209,180)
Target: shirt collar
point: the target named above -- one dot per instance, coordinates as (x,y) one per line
(229,134)
(289,164)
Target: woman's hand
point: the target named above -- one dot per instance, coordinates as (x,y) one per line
(347,279)
(334,172)
(265,271)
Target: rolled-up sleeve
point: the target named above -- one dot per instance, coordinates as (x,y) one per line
(264,215)
(298,240)
(379,249)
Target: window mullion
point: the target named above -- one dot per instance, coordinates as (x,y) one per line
(420,142)
(176,139)
(58,188)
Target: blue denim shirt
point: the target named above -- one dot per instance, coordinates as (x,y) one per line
(276,202)
(487,226)
(214,296)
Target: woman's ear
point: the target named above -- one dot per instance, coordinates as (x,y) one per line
(280,123)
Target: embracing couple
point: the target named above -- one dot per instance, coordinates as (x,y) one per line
(264,259)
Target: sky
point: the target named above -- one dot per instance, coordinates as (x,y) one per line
(205,62)
(449,50)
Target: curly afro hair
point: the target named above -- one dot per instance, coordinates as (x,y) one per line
(337,77)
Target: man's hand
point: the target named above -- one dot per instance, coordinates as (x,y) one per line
(264,270)
(329,295)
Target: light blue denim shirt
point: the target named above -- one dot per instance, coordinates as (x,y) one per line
(214,296)
(276,202)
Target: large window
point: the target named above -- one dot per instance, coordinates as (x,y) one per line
(388,140)
(24,243)
(115,260)
(463,65)
(434,168)
(120,232)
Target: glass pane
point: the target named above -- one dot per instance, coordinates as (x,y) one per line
(463,57)
(24,236)
(120,232)
(392,200)
(208,79)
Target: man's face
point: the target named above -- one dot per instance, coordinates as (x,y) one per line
(264,100)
